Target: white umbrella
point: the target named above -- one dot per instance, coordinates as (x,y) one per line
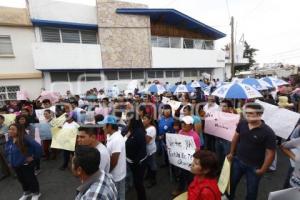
(180,89)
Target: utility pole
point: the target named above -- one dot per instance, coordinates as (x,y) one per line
(232,47)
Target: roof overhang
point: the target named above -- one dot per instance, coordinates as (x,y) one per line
(60,24)
(174,17)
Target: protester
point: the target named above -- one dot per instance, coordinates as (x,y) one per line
(88,136)
(252,151)
(151,149)
(205,169)
(96,184)
(21,151)
(136,153)
(4,170)
(116,149)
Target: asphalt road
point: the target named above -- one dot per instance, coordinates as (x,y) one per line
(61,185)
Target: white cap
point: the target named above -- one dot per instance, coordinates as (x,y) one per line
(187,120)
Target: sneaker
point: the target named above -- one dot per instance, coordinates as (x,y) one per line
(37,172)
(36,196)
(25,196)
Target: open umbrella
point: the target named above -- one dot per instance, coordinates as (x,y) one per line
(157,88)
(274,81)
(264,83)
(236,91)
(181,88)
(254,83)
(196,84)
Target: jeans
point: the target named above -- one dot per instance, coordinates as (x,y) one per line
(162,149)
(138,173)
(222,149)
(209,142)
(66,156)
(25,175)
(120,185)
(152,167)
(239,169)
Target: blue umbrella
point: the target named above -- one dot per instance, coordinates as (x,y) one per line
(236,91)
(254,83)
(181,88)
(157,88)
(196,84)
(274,81)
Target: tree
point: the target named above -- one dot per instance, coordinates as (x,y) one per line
(249,53)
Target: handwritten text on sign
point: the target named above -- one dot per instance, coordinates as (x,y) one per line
(180,150)
(221,124)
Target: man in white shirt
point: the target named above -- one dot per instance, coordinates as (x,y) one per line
(87,136)
(117,152)
(211,105)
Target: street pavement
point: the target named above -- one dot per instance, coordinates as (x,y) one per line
(61,185)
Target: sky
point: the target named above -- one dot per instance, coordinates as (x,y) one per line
(267,25)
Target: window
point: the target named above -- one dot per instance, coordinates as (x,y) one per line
(199,44)
(163,42)
(8,93)
(138,74)
(70,36)
(124,75)
(154,41)
(111,75)
(75,75)
(188,43)
(59,77)
(155,74)
(6,45)
(172,74)
(175,42)
(190,73)
(209,45)
(50,34)
(88,37)
(93,76)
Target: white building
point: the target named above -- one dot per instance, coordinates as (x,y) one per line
(17,71)
(78,47)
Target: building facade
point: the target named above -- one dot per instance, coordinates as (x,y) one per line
(78,47)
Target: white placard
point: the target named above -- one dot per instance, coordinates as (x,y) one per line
(281,120)
(180,150)
(40,113)
(288,194)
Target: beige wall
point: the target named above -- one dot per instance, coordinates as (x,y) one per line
(125,39)
(14,16)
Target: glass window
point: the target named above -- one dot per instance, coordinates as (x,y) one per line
(198,44)
(159,74)
(59,76)
(163,42)
(154,41)
(93,76)
(172,74)
(70,36)
(111,75)
(138,74)
(88,37)
(188,43)
(169,74)
(175,42)
(50,34)
(124,74)
(190,73)
(176,74)
(8,93)
(151,74)
(6,45)
(209,45)
(74,76)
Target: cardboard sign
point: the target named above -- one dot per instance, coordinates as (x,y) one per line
(9,119)
(64,138)
(40,113)
(221,124)
(180,150)
(281,120)
(224,179)
(58,122)
(288,194)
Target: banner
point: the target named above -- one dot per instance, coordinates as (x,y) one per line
(40,113)
(65,139)
(221,124)
(281,120)
(288,194)
(58,122)
(174,104)
(9,119)
(224,179)
(180,150)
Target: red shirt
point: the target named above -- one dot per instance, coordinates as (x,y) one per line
(207,189)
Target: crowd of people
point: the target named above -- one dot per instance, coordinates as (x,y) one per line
(121,141)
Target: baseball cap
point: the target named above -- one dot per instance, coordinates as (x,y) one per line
(108,120)
(187,120)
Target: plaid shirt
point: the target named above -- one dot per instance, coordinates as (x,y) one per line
(99,186)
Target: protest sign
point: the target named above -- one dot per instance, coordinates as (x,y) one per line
(174,104)
(65,139)
(180,150)
(165,100)
(58,122)
(183,196)
(224,179)
(287,194)
(9,119)
(281,120)
(221,124)
(40,113)
(22,95)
